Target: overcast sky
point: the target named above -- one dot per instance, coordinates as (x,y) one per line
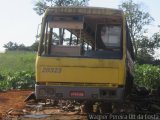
(19,21)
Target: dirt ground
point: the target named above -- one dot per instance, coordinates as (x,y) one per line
(13,107)
(13,99)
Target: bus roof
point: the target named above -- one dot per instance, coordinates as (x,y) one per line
(84,11)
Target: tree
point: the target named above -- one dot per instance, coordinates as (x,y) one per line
(22,47)
(137,19)
(146,51)
(156,38)
(147,48)
(41,5)
(10,46)
(34,46)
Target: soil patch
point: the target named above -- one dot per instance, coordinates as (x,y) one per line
(13,99)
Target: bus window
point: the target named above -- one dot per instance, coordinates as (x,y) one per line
(110,36)
(68,36)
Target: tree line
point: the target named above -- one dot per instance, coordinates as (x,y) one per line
(13,46)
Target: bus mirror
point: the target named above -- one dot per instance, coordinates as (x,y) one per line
(38,31)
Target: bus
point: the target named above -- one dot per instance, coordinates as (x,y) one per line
(85,53)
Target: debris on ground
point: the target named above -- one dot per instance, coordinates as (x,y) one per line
(12,106)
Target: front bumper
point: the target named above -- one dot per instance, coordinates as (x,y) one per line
(89,93)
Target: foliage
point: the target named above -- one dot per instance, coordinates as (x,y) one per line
(34,46)
(10,46)
(148,76)
(156,38)
(17,70)
(137,19)
(14,46)
(148,46)
(41,5)
(12,61)
(18,80)
(146,50)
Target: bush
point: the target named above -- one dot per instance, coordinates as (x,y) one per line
(148,76)
(2,77)
(18,80)
(17,70)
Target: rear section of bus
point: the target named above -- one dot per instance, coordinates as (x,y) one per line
(81,54)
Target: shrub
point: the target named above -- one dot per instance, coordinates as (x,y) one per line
(18,80)
(148,76)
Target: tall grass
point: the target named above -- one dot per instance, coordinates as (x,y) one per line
(17,70)
(15,61)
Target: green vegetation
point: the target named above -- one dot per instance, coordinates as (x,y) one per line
(40,6)
(148,76)
(11,46)
(17,70)
(17,80)
(144,45)
(138,20)
(15,61)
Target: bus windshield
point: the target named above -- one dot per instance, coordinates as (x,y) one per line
(74,36)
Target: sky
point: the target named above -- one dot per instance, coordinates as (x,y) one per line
(19,21)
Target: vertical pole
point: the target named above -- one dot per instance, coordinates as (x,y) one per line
(95,37)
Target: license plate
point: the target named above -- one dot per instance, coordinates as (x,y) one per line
(77,94)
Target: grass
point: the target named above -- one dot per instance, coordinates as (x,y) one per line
(17,70)
(15,61)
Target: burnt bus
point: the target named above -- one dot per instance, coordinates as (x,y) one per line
(85,53)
